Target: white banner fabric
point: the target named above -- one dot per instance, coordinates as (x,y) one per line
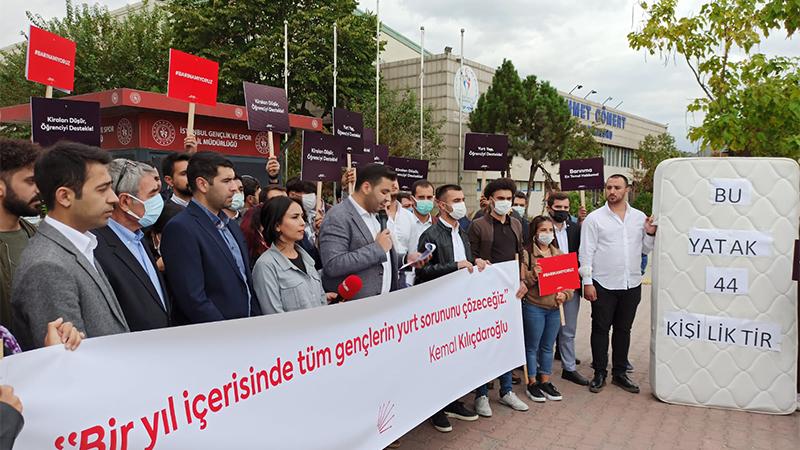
(353,375)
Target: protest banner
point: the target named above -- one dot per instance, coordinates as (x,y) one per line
(54,120)
(334,377)
(50,60)
(581,175)
(267,110)
(192,79)
(373,153)
(321,156)
(485,151)
(408,170)
(558,274)
(348,126)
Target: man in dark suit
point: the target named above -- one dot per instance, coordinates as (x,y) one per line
(125,258)
(353,241)
(58,275)
(206,260)
(568,236)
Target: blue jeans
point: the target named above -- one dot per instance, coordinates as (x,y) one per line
(541,328)
(505,386)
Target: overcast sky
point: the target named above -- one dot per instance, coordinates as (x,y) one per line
(566,42)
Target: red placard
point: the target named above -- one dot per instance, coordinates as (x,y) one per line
(559,273)
(50,60)
(192,78)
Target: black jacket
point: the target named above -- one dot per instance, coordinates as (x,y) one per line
(573,236)
(442,261)
(136,294)
(10,425)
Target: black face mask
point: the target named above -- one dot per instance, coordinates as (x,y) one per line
(560,216)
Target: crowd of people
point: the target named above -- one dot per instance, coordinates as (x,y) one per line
(122,248)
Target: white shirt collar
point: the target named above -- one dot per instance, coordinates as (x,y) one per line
(429,221)
(179,201)
(361,211)
(84,242)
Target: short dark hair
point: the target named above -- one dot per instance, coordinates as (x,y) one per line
(65,165)
(16,154)
(270,187)
(250,185)
(557,195)
(403,196)
(298,185)
(272,215)
(205,165)
(168,163)
(420,183)
(445,188)
(520,194)
(621,176)
(373,173)
(500,184)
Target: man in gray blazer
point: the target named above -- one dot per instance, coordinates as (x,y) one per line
(57,275)
(353,241)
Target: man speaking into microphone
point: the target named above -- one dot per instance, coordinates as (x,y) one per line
(354,241)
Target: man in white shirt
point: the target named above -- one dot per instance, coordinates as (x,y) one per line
(613,238)
(422,191)
(401,224)
(58,275)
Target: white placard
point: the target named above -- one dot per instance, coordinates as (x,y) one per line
(709,242)
(725,331)
(730,191)
(727,280)
(355,375)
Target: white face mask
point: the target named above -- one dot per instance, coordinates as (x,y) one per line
(459,210)
(519,210)
(502,207)
(310,204)
(545,238)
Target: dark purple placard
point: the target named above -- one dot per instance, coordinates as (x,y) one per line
(349,127)
(267,108)
(369,137)
(408,170)
(582,174)
(376,154)
(320,157)
(53,120)
(485,151)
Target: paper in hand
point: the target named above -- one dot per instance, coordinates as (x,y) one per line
(429,249)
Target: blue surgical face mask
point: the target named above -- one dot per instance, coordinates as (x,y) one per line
(152,210)
(424,207)
(237,204)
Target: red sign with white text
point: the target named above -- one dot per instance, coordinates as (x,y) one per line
(50,59)
(192,78)
(559,273)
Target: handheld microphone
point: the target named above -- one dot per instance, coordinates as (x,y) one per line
(348,288)
(383,218)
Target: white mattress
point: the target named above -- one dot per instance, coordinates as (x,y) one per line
(688,370)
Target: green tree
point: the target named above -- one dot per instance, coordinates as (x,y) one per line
(536,119)
(654,149)
(400,124)
(752,101)
(111,53)
(246,38)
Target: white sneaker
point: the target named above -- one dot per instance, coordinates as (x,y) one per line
(482,406)
(513,401)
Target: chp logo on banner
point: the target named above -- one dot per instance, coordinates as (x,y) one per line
(485,151)
(54,120)
(558,273)
(408,170)
(192,78)
(582,174)
(267,108)
(348,126)
(50,59)
(320,157)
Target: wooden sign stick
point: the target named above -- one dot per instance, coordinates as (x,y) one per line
(190,121)
(48,93)
(271,145)
(349,166)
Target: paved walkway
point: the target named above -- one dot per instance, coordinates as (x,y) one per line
(612,419)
